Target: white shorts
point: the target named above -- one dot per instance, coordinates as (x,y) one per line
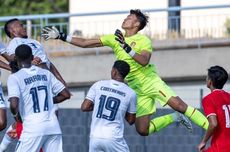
(108,145)
(48,143)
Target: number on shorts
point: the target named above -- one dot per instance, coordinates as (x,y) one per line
(112,104)
(226,109)
(35,98)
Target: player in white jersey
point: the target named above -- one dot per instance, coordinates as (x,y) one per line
(111,102)
(30,92)
(15,30)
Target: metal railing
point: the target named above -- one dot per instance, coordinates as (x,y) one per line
(161,25)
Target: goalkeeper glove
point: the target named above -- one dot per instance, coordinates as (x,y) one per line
(53,33)
(120,38)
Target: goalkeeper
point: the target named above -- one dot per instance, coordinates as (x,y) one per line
(136,49)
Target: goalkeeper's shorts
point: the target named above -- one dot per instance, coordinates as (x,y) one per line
(150,90)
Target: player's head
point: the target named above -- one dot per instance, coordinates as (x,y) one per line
(14,28)
(217,77)
(23,53)
(120,69)
(136,19)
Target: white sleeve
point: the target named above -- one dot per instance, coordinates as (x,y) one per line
(2,48)
(132,103)
(56,85)
(11,47)
(13,87)
(91,95)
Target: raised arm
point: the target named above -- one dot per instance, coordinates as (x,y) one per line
(53,33)
(142,58)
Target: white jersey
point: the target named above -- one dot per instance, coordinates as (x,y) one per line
(37,49)
(35,87)
(112,99)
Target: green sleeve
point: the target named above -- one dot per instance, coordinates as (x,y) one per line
(108,40)
(147,45)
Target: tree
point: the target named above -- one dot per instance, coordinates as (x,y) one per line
(27,7)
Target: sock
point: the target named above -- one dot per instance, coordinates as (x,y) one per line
(161,122)
(6,140)
(197,117)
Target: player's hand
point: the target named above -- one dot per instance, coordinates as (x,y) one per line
(120,38)
(201,147)
(36,60)
(12,133)
(52,33)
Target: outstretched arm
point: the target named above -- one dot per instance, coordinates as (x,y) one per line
(54,70)
(53,33)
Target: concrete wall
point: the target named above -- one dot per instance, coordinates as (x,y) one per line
(170,63)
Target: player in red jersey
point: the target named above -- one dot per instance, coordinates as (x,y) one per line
(217,109)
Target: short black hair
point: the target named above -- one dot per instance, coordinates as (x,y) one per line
(143,19)
(6,26)
(218,75)
(23,52)
(122,67)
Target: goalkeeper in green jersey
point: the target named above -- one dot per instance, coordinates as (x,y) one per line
(136,49)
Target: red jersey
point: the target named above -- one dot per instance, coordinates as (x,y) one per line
(218,103)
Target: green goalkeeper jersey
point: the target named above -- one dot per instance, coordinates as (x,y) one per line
(138,43)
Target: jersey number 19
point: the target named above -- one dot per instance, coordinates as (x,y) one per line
(109,103)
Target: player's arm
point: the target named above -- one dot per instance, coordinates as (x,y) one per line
(3,119)
(213,124)
(14,103)
(8,57)
(62,96)
(53,33)
(130,118)
(87,105)
(5,66)
(55,72)
(142,58)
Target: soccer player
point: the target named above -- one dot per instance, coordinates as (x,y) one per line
(30,92)
(111,102)
(14,29)
(216,106)
(136,49)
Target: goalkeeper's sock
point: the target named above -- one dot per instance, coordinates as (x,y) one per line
(197,117)
(161,122)
(6,140)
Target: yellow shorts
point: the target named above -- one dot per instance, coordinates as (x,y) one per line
(149,90)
